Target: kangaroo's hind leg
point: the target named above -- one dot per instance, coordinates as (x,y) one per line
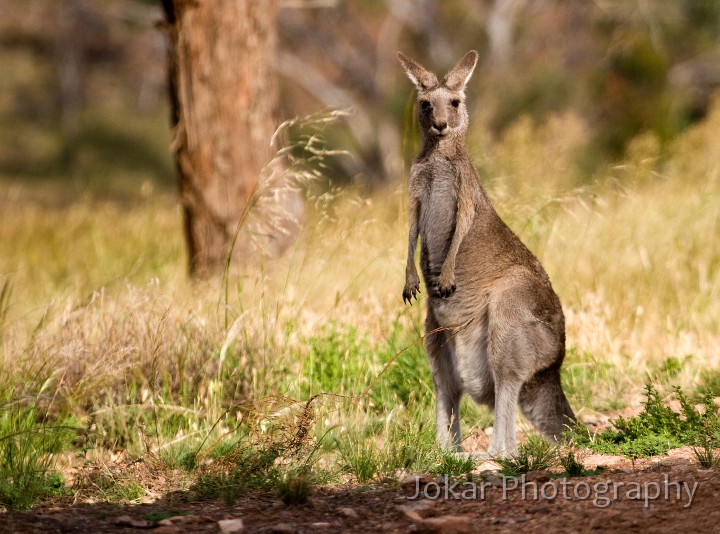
(503,441)
(511,346)
(543,402)
(471,357)
(446,381)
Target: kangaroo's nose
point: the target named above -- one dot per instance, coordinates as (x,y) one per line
(440,126)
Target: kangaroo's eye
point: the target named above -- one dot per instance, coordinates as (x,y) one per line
(455,103)
(424,104)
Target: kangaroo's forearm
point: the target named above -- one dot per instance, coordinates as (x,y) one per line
(412,287)
(413,233)
(463,223)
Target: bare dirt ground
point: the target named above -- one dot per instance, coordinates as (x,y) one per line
(651,496)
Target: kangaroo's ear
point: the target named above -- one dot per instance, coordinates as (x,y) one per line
(460,74)
(419,75)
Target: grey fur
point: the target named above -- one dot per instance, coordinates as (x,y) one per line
(495,328)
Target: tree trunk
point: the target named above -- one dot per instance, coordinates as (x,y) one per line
(223,93)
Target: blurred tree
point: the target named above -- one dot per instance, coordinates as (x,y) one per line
(500,26)
(223,103)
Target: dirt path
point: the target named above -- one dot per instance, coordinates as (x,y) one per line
(658,497)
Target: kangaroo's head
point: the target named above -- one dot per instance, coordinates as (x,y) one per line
(441,105)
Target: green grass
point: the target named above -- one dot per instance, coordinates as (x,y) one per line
(408,448)
(269,469)
(537,454)
(709,384)
(407,378)
(294,488)
(279,456)
(361,459)
(29,444)
(705,449)
(593,382)
(337,362)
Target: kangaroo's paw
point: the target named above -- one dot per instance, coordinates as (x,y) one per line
(444,286)
(412,288)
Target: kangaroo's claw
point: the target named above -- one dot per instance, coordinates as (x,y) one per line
(409,292)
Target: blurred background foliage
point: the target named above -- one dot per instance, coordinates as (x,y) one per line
(83,88)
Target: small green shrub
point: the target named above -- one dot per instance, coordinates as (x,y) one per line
(572,466)
(705,451)
(656,429)
(452,464)
(535,454)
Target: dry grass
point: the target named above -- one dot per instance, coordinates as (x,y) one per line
(101,318)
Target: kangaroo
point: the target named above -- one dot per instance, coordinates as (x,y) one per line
(495,327)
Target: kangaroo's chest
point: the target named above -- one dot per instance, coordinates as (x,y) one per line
(438,207)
